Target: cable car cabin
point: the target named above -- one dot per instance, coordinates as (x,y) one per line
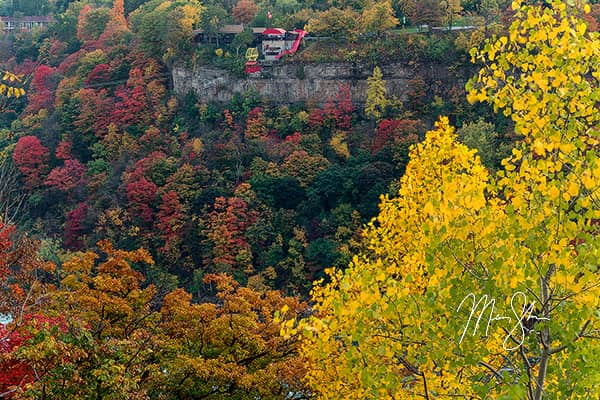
(277,42)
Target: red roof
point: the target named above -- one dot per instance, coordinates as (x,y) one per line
(274,31)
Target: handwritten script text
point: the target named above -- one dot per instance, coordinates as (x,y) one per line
(524,318)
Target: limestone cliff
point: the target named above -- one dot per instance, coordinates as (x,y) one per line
(290,83)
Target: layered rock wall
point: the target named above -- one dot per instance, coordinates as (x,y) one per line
(290,83)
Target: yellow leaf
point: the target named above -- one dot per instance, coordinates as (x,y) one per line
(539,148)
(428,208)
(553,192)
(588,181)
(573,189)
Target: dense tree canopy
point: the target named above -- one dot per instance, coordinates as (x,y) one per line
(165,27)
(150,240)
(99,333)
(101,147)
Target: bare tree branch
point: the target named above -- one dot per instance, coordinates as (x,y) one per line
(11,197)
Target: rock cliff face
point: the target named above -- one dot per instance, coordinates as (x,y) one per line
(290,83)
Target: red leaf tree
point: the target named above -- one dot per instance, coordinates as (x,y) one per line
(345,108)
(170,222)
(338,113)
(74,227)
(140,99)
(316,119)
(101,73)
(132,108)
(63,150)
(14,373)
(141,195)
(390,131)
(31,158)
(68,177)
(225,228)
(41,92)
(95,112)
(170,217)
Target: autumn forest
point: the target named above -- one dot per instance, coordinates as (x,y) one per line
(441,241)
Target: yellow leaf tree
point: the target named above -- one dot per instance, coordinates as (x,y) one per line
(227,350)
(479,286)
(376,96)
(379,17)
(451,10)
(335,22)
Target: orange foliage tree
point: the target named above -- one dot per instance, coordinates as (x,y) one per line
(245,11)
(103,332)
(230,349)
